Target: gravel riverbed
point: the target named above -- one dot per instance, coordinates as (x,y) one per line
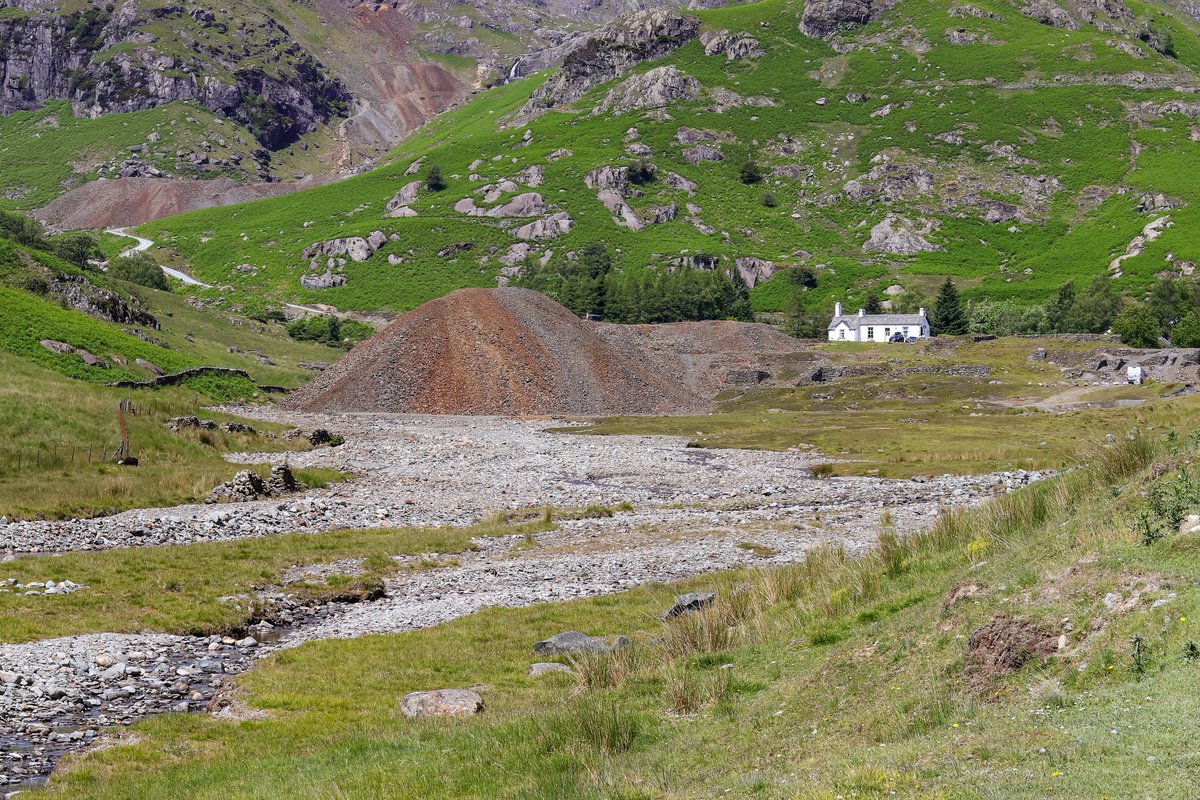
(694,511)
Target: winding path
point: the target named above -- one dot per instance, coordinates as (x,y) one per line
(144,244)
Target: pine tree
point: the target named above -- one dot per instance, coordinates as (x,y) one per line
(1060,309)
(948,316)
(434,181)
(873,305)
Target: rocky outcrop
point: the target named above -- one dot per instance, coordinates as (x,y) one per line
(530,204)
(398,206)
(701,153)
(1049,13)
(734,46)
(326,280)
(754,270)
(613,51)
(104,61)
(823,18)
(658,88)
(356,248)
(547,228)
(900,236)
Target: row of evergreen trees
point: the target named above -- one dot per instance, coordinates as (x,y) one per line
(1171,311)
(589,284)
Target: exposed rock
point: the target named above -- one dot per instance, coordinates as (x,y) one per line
(701,153)
(441,703)
(532,176)
(355,248)
(676,181)
(1158,202)
(900,236)
(608,178)
(1049,13)
(569,643)
(657,88)
(734,46)
(153,369)
(966,10)
(326,280)
(559,154)
(547,668)
(246,486)
(754,270)
(529,204)
(611,52)
(403,198)
(823,18)
(692,601)
(546,228)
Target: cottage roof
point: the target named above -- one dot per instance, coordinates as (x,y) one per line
(854,321)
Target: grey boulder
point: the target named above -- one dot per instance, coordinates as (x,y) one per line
(441,703)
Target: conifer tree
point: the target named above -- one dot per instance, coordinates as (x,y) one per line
(948,316)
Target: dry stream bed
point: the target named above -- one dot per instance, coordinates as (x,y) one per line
(689,512)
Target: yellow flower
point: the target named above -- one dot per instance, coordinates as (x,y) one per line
(955,725)
(1183,618)
(1055,774)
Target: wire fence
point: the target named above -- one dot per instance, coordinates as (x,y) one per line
(28,455)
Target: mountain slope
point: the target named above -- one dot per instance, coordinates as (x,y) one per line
(295,86)
(967,140)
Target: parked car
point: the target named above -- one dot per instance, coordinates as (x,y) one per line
(897,337)
(911,340)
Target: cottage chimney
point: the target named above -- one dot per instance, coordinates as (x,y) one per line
(862,312)
(837,309)
(921,312)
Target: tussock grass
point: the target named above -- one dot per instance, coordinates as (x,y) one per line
(858,694)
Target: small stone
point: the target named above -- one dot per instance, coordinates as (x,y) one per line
(547,667)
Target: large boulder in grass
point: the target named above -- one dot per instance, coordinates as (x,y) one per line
(441,703)
(692,601)
(573,642)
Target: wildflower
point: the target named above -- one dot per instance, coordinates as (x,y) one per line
(1055,774)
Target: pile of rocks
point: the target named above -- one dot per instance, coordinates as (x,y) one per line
(14,586)
(247,486)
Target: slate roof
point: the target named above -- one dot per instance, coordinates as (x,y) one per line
(854,321)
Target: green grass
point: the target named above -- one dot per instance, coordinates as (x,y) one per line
(928,424)
(178,589)
(49,424)
(941,90)
(838,678)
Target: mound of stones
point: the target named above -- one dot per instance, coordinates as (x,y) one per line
(247,486)
(499,351)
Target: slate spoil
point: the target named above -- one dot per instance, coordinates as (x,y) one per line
(691,511)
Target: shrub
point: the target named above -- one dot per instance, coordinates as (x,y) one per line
(642,172)
(751,173)
(141,269)
(329,329)
(770,200)
(434,181)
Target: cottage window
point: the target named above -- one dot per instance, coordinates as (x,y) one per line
(841,333)
(887,333)
(870,333)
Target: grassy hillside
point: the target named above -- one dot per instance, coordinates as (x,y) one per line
(826,679)
(59,435)
(1047,122)
(189,335)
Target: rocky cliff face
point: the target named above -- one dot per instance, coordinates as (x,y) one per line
(613,51)
(108,61)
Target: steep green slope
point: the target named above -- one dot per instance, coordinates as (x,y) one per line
(111,326)
(1013,161)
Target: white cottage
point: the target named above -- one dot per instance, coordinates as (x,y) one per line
(864,327)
